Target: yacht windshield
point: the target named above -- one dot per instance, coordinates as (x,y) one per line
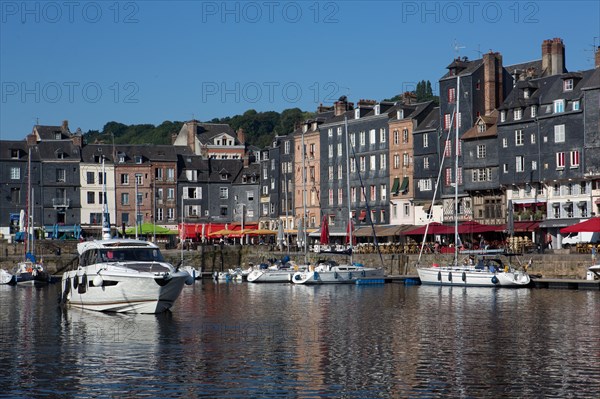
(131,254)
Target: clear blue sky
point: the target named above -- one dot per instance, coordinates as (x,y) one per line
(151,61)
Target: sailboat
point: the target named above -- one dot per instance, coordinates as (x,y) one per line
(330,272)
(29,271)
(489,271)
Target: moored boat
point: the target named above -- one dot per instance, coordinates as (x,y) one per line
(332,273)
(122,275)
(5,277)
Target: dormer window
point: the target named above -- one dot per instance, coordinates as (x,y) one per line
(575,105)
(357,113)
(121,158)
(314,126)
(400,114)
(518,114)
(60,154)
(526,93)
(138,159)
(97,159)
(57,136)
(502,116)
(304,128)
(559,106)
(377,109)
(481,127)
(14,154)
(533,111)
(568,85)
(223,176)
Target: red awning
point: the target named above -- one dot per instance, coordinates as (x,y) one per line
(363,215)
(434,228)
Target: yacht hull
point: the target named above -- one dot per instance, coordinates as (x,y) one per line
(270,276)
(337,276)
(471,277)
(121,291)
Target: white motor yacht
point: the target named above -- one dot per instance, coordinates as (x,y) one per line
(332,273)
(122,275)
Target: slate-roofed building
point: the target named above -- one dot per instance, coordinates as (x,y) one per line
(16,173)
(245,194)
(212,140)
(542,138)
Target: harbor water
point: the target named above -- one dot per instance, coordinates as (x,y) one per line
(234,340)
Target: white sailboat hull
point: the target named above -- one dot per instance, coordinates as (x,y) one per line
(338,275)
(270,276)
(471,277)
(5,277)
(121,290)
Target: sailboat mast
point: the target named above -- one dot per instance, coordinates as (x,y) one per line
(304,196)
(28,203)
(456,147)
(348,186)
(105,214)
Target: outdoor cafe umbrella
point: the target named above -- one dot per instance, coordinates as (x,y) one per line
(588,226)
(324,231)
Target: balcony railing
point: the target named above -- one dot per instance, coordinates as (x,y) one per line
(61,202)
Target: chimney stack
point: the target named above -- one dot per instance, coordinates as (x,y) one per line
(341,106)
(597,64)
(65,126)
(191,134)
(553,57)
(241,136)
(492,81)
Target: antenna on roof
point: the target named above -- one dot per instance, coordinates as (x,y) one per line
(457,47)
(594,47)
(478,51)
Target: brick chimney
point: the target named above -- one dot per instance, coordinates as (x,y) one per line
(192,126)
(31,140)
(492,81)
(553,57)
(77,140)
(598,57)
(65,126)
(341,106)
(241,136)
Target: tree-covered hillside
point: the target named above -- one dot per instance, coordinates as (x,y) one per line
(260,128)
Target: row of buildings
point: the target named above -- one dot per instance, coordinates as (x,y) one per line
(528,146)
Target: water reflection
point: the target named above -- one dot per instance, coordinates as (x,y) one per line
(283,340)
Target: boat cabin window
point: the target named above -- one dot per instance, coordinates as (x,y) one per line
(121,255)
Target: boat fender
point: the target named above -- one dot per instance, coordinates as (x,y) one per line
(297,277)
(75,282)
(494,280)
(316,275)
(439,276)
(362,273)
(82,284)
(97,281)
(189,280)
(350,276)
(464,277)
(450,276)
(335,275)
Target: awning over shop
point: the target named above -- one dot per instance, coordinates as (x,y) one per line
(553,223)
(363,215)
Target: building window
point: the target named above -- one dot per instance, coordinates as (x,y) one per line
(383,162)
(481,151)
(15,173)
(505,168)
(89,177)
(520,163)
(286,147)
(223,193)
(504,142)
(574,159)
(405,135)
(382,135)
(61,175)
(372,193)
(559,133)
(447,121)
(533,111)
(339,149)
(396,161)
(170,174)
(170,194)
(448,148)
(339,131)
(139,179)
(519,141)
(330,196)
(138,159)
(373,162)
(560,160)
(91,197)
(533,165)
(425,140)
(405,159)
(396,137)
(340,172)
(362,138)
(383,191)
(340,196)
(559,106)
(502,116)
(330,173)
(124,179)
(330,132)
(575,105)
(426,163)
(363,163)
(425,185)
(518,114)
(452,95)
(568,85)
(124,198)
